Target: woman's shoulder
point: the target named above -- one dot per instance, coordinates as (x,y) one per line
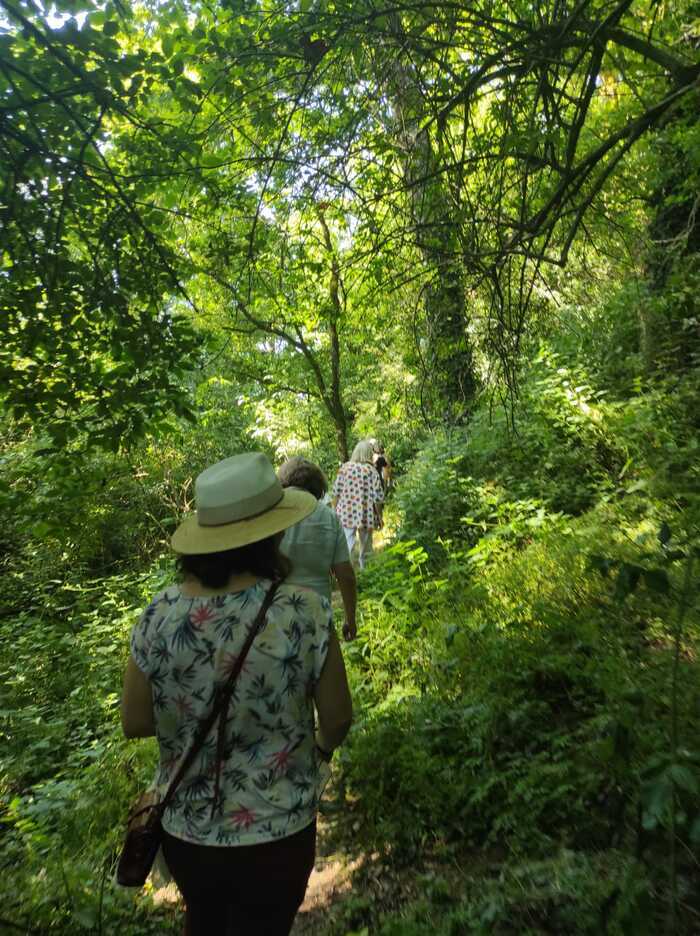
(301,597)
(163,600)
(286,589)
(326,514)
(353,468)
(155,615)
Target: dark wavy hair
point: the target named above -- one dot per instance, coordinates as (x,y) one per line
(213,570)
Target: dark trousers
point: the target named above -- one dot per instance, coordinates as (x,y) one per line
(250,890)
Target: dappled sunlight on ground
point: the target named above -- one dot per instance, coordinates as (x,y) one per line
(330,881)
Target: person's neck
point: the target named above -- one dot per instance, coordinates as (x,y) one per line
(192,588)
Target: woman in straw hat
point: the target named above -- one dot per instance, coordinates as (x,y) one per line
(240,830)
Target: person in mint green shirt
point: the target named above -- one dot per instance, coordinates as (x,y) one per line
(317,547)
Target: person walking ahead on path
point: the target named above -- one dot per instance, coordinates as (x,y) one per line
(240,833)
(317,546)
(382,464)
(357,493)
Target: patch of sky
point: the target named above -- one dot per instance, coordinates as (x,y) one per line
(272,345)
(51,16)
(55,19)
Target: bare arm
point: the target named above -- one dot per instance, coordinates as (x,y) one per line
(347,583)
(332,698)
(137,703)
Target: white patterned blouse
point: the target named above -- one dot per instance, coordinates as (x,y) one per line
(186,647)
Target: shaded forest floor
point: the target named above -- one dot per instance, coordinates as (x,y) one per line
(349,890)
(346,890)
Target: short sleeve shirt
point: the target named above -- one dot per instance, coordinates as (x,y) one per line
(357,489)
(314,546)
(187,647)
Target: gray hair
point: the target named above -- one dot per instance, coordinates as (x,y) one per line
(363,452)
(301,473)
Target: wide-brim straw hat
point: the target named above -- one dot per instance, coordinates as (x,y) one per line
(238,501)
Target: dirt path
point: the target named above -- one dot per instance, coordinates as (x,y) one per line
(330,883)
(332,890)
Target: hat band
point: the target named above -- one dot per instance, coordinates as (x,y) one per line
(242,509)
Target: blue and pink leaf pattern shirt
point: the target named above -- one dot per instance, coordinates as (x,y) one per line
(269,778)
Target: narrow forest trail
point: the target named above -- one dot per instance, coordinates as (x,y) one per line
(351,892)
(330,884)
(348,887)
(345,882)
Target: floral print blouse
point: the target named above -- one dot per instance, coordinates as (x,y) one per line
(269,778)
(357,489)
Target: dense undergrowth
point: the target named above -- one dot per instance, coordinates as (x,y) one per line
(529,668)
(300,226)
(525,674)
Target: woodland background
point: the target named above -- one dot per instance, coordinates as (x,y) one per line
(469,229)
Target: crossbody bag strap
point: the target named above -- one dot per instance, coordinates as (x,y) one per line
(222,699)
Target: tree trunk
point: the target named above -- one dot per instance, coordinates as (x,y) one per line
(449,361)
(335,404)
(667,336)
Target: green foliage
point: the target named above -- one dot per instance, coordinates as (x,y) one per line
(91,339)
(210,218)
(87,512)
(68,776)
(449,511)
(495,485)
(559,711)
(568,893)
